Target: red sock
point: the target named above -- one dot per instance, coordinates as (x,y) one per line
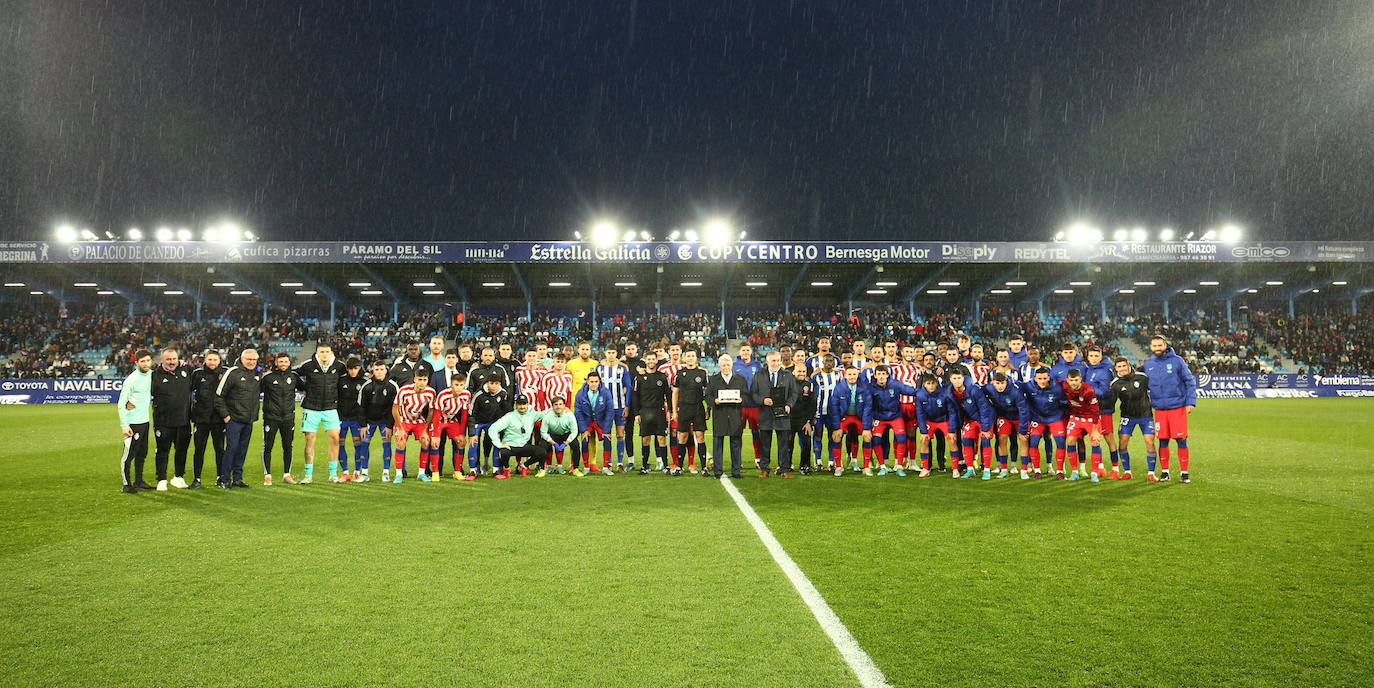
(1164,458)
(1035,457)
(400,460)
(691,456)
(835,454)
(1183,459)
(1073,460)
(868,454)
(758,450)
(900,452)
(1059,461)
(605,455)
(677,455)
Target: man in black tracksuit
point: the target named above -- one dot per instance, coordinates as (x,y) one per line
(279,416)
(487,408)
(488,369)
(209,425)
(803,417)
(377,397)
(171,392)
(351,417)
(403,370)
(319,379)
(237,401)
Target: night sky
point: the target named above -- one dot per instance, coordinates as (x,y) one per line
(391,119)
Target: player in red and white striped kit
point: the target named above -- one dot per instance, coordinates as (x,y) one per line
(410,413)
(449,419)
(908,372)
(529,381)
(557,384)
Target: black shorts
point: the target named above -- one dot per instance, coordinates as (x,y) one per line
(691,418)
(652,423)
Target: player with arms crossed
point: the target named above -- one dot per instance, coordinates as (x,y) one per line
(449,420)
(1173,393)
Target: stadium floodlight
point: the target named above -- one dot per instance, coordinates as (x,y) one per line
(674,235)
(1063,291)
(877,291)
(359,284)
(1274,283)
(604,233)
(1082,232)
(210,234)
(371,292)
(1209,235)
(742,234)
(1315,291)
(240,292)
(433,292)
(250,236)
(690,284)
(1190,291)
(229,233)
(85,284)
(1121,234)
(1080,284)
(1231,233)
(1166,234)
(1188,236)
(949,284)
(644,235)
(1144,284)
(630,236)
(135,234)
(1208,283)
(1139,234)
(154,284)
(691,235)
(105,292)
(885,284)
(1340,283)
(35,293)
(1125,291)
(88,235)
(174,292)
(936,292)
(293,284)
(184,234)
(627,284)
(756,284)
(560,284)
(1016,284)
(15,284)
(822,284)
(577,235)
(1059,236)
(1000,291)
(717,232)
(164,234)
(422,284)
(493,285)
(223,284)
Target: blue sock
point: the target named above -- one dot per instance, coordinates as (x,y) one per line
(361,455)
(1125,460)
(386,454)
(1116,456)
(620,450)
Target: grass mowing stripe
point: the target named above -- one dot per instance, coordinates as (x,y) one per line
(868,673)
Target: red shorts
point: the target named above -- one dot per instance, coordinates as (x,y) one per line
(1080,428)
(1106,424)
(1171,424)
(896,425)
(750,416)
(594,431)
(940,426)
(909,414)
(853,423)
(453,430)
(1056,428)
(971,430)
(404,431)
(1006,427)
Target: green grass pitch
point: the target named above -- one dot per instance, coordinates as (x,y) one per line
(1259,573)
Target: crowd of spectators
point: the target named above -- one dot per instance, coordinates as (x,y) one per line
(1328,344)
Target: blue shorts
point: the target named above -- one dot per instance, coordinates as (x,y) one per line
(477,429)
(350,427)
(312,420)
(619,418)
(372,429)
(827,423)
(1146,425)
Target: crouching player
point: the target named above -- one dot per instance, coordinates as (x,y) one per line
(1085,414)
(1013,417)
(449,421)
(849,405)
(411,417)
(558,429)
(377,397)
(978,422)
(1132,391)
(513,436)
(935,413)
(885,413)
(1045,399)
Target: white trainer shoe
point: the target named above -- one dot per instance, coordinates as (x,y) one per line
(162,486)
(179,483)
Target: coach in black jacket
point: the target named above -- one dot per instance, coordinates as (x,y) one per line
(775,392)
(726,419)
(236,401)
(171,392)
(209,424)
(279,415)
(803,418)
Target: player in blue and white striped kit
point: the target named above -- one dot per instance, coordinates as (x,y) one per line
(616,381)
(823,383)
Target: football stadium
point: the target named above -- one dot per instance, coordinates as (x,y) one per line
(706,344)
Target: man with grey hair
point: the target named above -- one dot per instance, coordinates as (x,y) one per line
(237,400)
(726,392)
(776,393)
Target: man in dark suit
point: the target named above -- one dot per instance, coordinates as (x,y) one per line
(727,421)
(776,392)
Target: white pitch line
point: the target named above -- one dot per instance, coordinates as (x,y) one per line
(870,676)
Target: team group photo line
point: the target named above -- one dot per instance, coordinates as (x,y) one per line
(896,409)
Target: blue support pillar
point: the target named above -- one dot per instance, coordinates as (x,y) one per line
(198,305)
(1354,306)
(131,308)
(333,325)
(1230,324)
(977,311)
(1040,308)
(911,309)
(1292,308)
(395,311)
(264,313)
(1103,304)
(596,322)
(1166,309)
